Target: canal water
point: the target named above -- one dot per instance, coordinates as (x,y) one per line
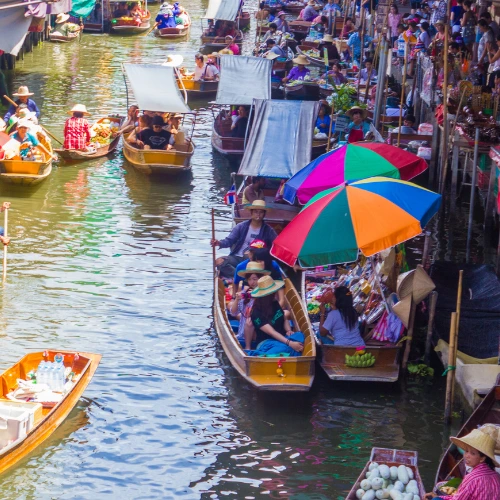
(105,259)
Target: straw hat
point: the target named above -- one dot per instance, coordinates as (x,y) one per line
(402,310)
(266,286)
(301,59)
(61,18)
(356,108)
(253,268)
(177,115)
(226,51)
(494,432)
(281,13)
(328,38)
(79,108)
(22,92)
(478,440)
(173,60)
(257,205)
(417,282)
(272,55)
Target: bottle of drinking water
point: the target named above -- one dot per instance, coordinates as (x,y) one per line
(58,359)
(51,376)
(40,372)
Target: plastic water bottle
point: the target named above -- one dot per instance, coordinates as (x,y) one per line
(51,376)
(40,372)
(59,371)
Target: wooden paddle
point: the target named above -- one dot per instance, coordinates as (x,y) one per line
(42,127)
(154,26)
(5,223)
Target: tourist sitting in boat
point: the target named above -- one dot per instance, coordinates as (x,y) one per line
(135,138)
(271,32)
(323,121)
(358,128)
(22,112)
(300,71)
(282,23)
(273,332)
(77,129)
(263,16)
(327,44)
(23,97)
(165,17)
(481,481)
(335,75)
(273,48)
(239,129)
(241,236)
(132,119)
(137,13)
(174,127)
(341,326)
(121,11)
(241,305)
(332,5)
(204,71)
(157,137)
(182,18)
(310,13)
(255,191)
(62,27)
(211,30)
(231,45)
(354,44)
(368,73)
(27,139)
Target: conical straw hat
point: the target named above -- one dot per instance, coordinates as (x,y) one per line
(494,432)
(402,310)
(416,282)
(479,441)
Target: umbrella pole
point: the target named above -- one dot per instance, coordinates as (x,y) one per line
(213,246)
(379,284)
(405,69)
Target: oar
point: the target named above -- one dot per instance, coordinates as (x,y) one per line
(148,32)
(5,223)
(42,127)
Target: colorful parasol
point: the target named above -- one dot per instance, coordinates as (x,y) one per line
(350,163)
(370,215)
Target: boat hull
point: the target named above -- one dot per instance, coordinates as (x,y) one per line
(198,89)
(128,29)
(173,33)
(306,92)
(222,140)
(63,39)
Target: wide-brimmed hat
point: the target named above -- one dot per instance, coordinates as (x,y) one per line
(356,108)
(257,205)
(26,113)
(79,108)
(177,115)
(417,283)
(301,59)
(173,60)
(266,286)
(438,22)
(272,55)
(253,268)
(23,123)
(226,51)
(22,92)
(476,439)
(281,13)
(327,38)
(61,18)
(229,36)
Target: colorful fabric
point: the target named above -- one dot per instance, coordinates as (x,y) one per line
(76,133)
(275,348)
(370,215)
(480,484)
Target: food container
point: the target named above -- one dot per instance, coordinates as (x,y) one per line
(16,420)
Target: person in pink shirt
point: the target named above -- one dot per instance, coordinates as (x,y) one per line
(232,46)
(393,20)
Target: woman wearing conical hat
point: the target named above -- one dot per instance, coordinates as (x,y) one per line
(77,129)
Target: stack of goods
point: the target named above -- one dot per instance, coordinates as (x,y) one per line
(103,132)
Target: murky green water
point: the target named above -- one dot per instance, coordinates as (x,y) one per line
(105,259)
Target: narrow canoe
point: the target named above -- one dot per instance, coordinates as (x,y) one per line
(119,27)
(302,92)
(17,171)
(198,89)
(173,33)
(319,147)
(261,372)
(390,458)
(315,61)
(55,38)
(222,140)
(157,162)
(48,419)
(488,412)
(74,155)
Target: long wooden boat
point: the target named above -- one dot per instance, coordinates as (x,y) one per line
(122,26)
(243,20)
(488,412)
(222,140)
(56,38)
(47,417)
(198,89)
(216,43)
(173,33)
(261,372)
(307,91)
(315,61)
(300,29)
(390,458)
(74,155)
(17,171)
(153,161)
(318,147)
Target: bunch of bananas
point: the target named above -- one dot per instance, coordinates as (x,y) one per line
(359,360)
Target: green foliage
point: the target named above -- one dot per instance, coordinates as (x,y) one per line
(420,370)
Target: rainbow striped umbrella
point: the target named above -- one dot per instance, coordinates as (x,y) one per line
(352,162)
(370,215)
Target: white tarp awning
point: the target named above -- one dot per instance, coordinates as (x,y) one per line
(243,79)
(225,10)
(13,27)
(155,88)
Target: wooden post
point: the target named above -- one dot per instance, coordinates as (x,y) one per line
(411,325)
(403,84)
(330,130)
(425,253)
(362,24)
(213,238)
(450,373)
(430,325)
(5,228)
(459,298)
(472,195)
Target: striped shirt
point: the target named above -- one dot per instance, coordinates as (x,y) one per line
(76,133)
(481,484)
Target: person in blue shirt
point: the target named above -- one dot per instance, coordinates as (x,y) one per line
(27,139)
(23,97)
(332,5)
(323,120)
(354,44)
(166,16)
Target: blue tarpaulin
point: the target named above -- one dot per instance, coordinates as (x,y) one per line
(82,8)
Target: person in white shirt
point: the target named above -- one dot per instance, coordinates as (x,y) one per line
(204,71)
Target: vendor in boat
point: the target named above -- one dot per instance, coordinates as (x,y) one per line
(340,327)
(205,71)
(121,11)
(281,22)
(157,137)
(368,73)
(239,128)
(62,27)
(23,96)
(310,13)
(165,17)
(231,45)
(241,236)
(327,44)
(349,27)
(332,5)
(273,48)
(77,129)
(300,71)
(323,121)
(335,75)
(255,191)
(481,481)
(359,127)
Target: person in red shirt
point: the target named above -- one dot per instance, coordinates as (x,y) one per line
(77,129)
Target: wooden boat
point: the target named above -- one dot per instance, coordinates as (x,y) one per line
(198,89)
(325,92)
(17,171)
(127,26)
(48,418)
(153,161)
(261,372)
(391,458)
(216,43)
(300,29)
(488,412)
(243,20)
(318,147)
(56,38)
(74,155)
(221,137)
(306,91)
(315,61)
(173,33)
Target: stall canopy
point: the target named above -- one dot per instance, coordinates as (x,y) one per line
(82,8)
(280,139)
(155,88)
(13,26)
(243,79)
(225,10)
